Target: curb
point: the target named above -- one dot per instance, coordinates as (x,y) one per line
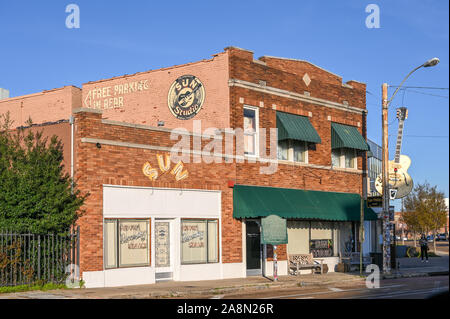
(225,290)
(411,275)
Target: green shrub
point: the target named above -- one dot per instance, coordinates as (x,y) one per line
(37,286)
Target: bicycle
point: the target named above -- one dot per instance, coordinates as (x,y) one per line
(412,252)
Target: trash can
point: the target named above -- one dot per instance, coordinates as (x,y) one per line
(377,259)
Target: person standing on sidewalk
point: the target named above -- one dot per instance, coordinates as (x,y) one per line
(423,247)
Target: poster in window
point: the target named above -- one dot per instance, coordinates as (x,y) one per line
(321,248)
(193,242)
(133,242)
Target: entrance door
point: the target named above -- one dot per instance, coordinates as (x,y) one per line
(253,244)
(163,250)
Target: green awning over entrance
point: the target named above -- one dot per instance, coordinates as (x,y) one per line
(347,136)
(256,201)
(296,127)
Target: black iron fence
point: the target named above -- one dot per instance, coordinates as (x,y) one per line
(30,258)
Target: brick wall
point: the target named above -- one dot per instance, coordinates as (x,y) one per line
(285,74)
(123,165)
(148,103)
(46,106)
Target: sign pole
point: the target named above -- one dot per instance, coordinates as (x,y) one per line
(386,194)
(275,266)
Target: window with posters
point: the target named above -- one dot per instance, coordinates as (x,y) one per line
(199,241)
(126,243)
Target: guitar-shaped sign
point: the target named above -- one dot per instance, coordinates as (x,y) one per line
(400,183)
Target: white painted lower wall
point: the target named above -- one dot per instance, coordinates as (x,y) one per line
(146,275)
(234,270)
(119,277)
(199,272)
(282,268)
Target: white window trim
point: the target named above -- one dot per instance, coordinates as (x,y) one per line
(291,153)
(117,243)
(256,109)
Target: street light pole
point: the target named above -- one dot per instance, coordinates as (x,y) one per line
(385,162)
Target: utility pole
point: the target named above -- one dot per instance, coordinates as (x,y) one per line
(384,124)
(385,168)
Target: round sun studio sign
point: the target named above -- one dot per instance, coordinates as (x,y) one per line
(186,97)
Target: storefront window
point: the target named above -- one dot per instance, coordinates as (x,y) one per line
(322,243)
(126,243)
(110,243)
(298,237)
(317,237)
(199,241)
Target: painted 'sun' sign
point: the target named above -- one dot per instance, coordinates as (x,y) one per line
(164,164)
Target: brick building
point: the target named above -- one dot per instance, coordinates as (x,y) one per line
(181,166)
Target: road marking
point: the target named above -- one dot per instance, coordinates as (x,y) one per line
(332,291)
(217,297)
(397,293)
(335,289)
(407,293)
(436,286)
(392,286)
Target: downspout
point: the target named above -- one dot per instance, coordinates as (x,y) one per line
(72,120)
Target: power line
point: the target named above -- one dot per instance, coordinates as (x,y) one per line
(419,87)
(426,93)
(426,136)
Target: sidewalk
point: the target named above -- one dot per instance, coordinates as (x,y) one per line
(414,267)
(171,289)
(409,267)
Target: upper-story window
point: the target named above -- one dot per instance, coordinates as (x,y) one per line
(250,130)
(294,134)
(344,157)
(292,150)
(346,140)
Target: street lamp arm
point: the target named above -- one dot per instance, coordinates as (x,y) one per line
(398,88)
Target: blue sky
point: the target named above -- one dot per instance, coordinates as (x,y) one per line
(38,52)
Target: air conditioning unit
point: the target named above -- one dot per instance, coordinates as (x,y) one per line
(4,94)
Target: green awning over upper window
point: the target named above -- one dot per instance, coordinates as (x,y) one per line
(257,201)
(296,127)
(348,137)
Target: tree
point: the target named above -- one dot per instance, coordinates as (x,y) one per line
(426,209)
(412,221)
(35,193)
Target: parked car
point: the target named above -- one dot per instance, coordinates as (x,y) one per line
(430,238)
(441,237)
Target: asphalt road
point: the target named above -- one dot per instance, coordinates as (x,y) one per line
(404,288)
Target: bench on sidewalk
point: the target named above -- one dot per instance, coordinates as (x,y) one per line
(304,261)
(352,259)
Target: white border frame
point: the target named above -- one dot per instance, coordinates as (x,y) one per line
(256,110)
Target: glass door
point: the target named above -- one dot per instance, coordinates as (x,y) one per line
(253,248)
(163,260)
